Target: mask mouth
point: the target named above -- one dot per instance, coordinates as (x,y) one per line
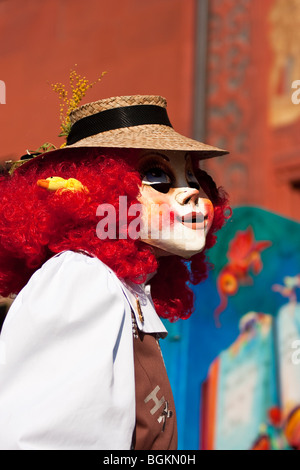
(194,220)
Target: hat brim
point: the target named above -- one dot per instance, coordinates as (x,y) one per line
(154,136)
(148,137)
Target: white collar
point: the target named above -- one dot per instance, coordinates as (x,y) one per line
(150,321)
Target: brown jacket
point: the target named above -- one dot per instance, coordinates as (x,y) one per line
(156,427)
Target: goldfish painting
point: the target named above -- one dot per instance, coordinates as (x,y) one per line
(244,257)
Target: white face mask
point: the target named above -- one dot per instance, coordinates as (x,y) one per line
(177,214)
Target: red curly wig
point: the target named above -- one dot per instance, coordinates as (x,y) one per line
(36,224)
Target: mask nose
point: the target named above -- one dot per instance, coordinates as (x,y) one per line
(186,196)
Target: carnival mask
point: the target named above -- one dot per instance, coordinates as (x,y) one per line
(177,213)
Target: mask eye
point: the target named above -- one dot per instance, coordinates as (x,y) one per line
(192,180)
(158,179)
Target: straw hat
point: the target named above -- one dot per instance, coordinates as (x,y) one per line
(137,122)
(131,122)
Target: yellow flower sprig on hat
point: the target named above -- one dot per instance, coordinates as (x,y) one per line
(79,86)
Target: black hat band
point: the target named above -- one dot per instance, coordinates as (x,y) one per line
(117,118)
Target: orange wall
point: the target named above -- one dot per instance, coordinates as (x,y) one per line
(147,47)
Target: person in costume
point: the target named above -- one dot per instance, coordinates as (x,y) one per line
(99,241)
